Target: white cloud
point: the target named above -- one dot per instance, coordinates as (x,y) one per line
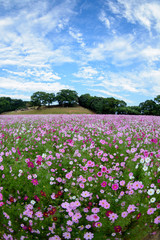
(117,50)
(16,96)
(111,94)
(77,35)
(104,19)
(152,54)
(30,86)
(86,73)
(23,39)
(36,74)
(144,12)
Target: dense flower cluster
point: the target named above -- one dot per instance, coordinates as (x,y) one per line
(79,177)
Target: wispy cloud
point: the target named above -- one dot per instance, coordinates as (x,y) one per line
(104,19)
(143,12)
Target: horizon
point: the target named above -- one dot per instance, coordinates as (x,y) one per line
(107,48)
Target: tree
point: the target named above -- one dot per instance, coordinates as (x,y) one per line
(157,99)
(50,98)
(42,98)
(96,105)
(8,104)
(109,105)
(67,97)
(85,100)
(149,107)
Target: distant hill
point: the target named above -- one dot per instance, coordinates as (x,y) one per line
(51,110)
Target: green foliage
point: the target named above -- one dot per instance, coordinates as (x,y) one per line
(149,107)
(8,104)
(42,98)
(67,97)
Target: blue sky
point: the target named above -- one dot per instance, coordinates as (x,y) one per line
(108,48)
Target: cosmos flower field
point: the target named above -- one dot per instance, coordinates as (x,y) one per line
(79,177)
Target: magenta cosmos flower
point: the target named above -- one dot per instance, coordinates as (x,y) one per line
(103,184)
(115,186)
(34,181)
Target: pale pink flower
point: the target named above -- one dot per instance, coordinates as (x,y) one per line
(88,235)
(131,208)
(113,217)
(157,220)
(151,211)
(39,214)
(124,214)
(69,175)
(85,194)
(95,210)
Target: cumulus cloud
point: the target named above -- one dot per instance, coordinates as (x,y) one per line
(30,86)
(86,73)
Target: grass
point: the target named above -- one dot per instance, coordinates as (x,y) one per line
(52,110)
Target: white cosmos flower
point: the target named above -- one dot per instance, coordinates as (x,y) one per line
(158,191)
(158,169)
(142,160)
(152,200)
(33,202)
(145,168)
(150,191)
(147,160)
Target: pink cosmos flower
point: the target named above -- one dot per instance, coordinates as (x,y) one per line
(113,217)
(90,179)
(131,208)
(69,175)
(122,183)
(98,224)
(124,214)
(103,184)
(1,197)
(56,237)
(94,217)
(104,203)
(95,210)
(157,220)
(49,163)
(81,185)
(136,185)
(1,204)
(34,181)
(66,235)
(88,235)
(39,214)
(65,205)
(99,174)
(151,211)
(103,169)
(30,164)
(115,186)
(85,194)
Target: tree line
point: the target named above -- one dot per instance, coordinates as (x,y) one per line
(70,98)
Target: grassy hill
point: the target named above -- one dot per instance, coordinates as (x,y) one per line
(51,110)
